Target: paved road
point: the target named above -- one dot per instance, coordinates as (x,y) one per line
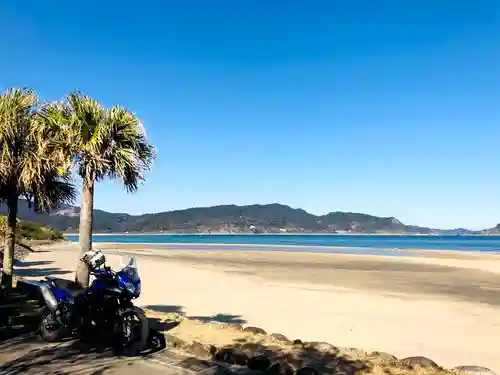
(27,355)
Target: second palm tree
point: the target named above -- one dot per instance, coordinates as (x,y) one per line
(105,143)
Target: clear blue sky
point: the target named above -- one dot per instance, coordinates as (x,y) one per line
(383,107)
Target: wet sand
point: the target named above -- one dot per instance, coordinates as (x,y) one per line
(443,305)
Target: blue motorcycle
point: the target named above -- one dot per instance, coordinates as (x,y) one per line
(103,310)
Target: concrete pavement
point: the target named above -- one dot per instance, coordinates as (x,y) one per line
(28,355)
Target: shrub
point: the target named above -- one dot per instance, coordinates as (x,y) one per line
(29,230)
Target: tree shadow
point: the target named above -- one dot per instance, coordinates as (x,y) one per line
(33,269)
(40,272)
(27,354)
(221,318)
(55,359)
(160,324)
(166,308)
(19,312)
(33,263)
(14,325)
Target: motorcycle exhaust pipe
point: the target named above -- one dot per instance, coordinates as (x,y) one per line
(49,298)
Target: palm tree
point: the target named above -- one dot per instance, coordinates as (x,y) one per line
(29,165)
(106,143)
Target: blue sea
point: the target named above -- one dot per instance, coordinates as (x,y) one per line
(365,244)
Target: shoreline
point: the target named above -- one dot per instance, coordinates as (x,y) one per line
(284,234)
(199,246)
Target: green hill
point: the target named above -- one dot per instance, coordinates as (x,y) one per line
(257,218)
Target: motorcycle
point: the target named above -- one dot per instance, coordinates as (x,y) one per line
(103,310)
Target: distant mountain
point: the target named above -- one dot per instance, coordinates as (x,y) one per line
(267,218)
(491,231)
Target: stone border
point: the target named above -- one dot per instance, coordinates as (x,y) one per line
(263,363)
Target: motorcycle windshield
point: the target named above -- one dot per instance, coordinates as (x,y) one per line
(130,269)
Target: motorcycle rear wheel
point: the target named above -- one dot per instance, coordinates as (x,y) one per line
(49,329)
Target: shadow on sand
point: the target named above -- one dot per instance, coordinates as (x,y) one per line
(27,354)
(220,317)
(67,357)
(33,263)
(34,269)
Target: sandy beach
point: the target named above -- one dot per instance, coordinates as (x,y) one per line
(439,304)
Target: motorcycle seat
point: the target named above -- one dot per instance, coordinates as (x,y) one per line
(69,286)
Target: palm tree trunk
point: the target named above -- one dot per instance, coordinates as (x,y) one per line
(86,210)
(10,242)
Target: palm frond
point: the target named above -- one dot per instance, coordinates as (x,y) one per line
(54,133)
(86,115)
(33,152)
(128,150)
(17,107)
(111,142)
(52,191)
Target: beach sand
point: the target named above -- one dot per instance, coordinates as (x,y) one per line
(442,305)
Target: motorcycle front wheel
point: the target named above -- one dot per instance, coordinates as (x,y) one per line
(134,331)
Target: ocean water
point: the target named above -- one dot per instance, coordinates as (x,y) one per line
(363,243)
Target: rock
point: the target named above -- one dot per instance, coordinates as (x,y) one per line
(280,369)
(307,371)
(474,370)
(215,370)
(419,361)
(200,350)
(231,356)
(255,330)
(236,326)
(353,352)
(297,342)
(386,357)
(279,337)
(252,349)
(320,346)
(275,369)
(174,341)
(220,371)
(259,362)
